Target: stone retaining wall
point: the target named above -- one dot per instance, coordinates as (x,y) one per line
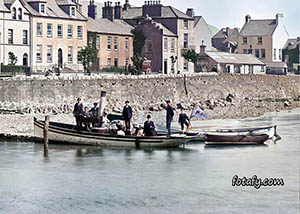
(58,94)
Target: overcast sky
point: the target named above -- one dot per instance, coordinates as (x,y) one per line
(231,13)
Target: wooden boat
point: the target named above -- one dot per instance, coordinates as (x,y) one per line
(269,130)
(234,139)
(66,134)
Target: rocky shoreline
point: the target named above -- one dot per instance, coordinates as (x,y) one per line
(16,122)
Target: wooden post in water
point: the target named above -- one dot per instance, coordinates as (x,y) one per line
(46,139)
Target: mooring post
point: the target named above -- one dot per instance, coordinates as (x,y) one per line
(46,139)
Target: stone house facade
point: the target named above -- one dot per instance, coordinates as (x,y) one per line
(263,38)
(14,32)
(226,40)
(114,38)
(291,53)
(176,21)
(160,46)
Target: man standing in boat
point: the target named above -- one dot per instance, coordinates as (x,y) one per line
(78,112)
(127,115)
(170,115)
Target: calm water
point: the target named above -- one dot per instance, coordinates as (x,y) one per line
(192,180)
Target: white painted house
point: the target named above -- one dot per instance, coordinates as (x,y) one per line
(14,32)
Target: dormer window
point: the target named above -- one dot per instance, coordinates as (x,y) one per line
(43,9)
(73,11)
(14,13)
(20,14)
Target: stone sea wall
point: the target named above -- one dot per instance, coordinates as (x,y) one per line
(249,94)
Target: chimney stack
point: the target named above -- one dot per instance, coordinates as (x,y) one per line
(118,10)
(227,31)
(190,12)
(108,11)
(248,18)
(278,15)
(92,10)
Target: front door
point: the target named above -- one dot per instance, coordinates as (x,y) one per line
(165,67)
(25,60)
(60,58)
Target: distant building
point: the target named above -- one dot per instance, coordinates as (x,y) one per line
(226,40)
(217,61)
(114,39)
(202,32)
(15,32)
(264,39)
(291,53)
(176,21)
(160,46)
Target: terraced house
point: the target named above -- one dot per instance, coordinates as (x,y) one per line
(55,31)
(14,32)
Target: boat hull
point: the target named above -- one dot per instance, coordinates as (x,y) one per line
(219,139)
(70,136)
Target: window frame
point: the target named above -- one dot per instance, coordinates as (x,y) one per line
(116,43)
(39,59)
(126,44)
(109,41)
(259,40)
(25,37)
(49,60)
(51,30)
(62,30)
(10,36)
(166,41)
(20,14)
(70,54)
(39,29)
(70,33)
(245,40)
(79,32)
(186,40)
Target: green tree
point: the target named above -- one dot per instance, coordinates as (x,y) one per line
(87,58)
(137,64)
(138,41)
(190,55)
(12,61)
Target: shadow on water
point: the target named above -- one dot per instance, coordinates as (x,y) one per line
(226,147)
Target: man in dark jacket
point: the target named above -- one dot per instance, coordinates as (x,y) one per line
(183,120)
(78,112)
(127,115)
(170,115)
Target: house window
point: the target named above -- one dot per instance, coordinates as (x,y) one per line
(245,40)
(70,31)
(98,42)
(166,44)
(70,54)
(127,62)
(108,61)
(14,13)
(10,36)
(126,44)
(49,30)
(257,53)
(116,43)
(280,54)
(49,53)
(39,29)
(185,24)
(59,31)
(263,53)
(73,11)
(39,53)
(259,40)
(172,45)
(20,14)
(245,51)
(185,40)
(116,62)
(109,43)
(149,46)
(42,8)
(79,32)
(25,37)
(185,65)
(78,54)
(275,54)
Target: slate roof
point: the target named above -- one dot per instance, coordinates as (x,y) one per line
(105,26)
(262,27)
(291,44)
(229,58)
(166,31)
(233,34)
(276,65)
(3,8)
(167,12)
(197,19)
(65,2)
